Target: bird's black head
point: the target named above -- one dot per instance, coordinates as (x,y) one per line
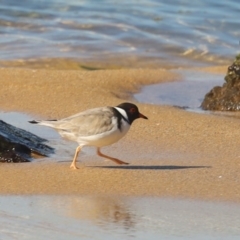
(132,111)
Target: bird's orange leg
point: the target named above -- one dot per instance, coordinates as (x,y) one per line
(73,164)
(111,158)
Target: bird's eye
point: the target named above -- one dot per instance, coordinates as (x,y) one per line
(132,110)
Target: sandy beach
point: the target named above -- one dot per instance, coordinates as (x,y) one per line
(175,153)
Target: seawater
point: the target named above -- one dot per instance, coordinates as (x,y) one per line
(123,33)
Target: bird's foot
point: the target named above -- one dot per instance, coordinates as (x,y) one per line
(120,162)
(73,166)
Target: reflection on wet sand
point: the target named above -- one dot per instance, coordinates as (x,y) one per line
(113,217)
(102,210)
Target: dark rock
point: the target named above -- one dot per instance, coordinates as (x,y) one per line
(227,97)
(17,145)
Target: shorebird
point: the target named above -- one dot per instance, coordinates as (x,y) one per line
(96,127)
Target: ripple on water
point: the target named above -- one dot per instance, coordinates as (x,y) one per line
(136,33)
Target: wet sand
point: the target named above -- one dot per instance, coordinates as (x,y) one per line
(175,153)
(108,217)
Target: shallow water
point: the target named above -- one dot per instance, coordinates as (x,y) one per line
(187,93)
(109,217)
(123,33)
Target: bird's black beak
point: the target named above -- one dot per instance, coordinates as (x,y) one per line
(142,116)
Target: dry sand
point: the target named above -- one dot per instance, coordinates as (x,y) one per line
(175,153)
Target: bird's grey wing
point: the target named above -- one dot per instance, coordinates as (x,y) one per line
(90,122)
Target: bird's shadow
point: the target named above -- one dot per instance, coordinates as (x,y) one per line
(151,167)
